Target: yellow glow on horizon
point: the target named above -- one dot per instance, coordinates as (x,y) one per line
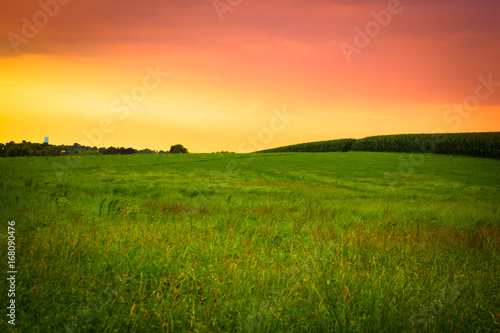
(66,98)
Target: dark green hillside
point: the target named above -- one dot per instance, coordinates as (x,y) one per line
(485,144)
(315,147)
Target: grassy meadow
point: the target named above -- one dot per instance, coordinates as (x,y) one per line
(271,242)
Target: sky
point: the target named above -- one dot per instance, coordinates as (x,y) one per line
(244,75)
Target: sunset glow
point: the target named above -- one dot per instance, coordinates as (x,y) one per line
(211,74)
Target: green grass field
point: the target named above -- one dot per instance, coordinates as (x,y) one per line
(306,242)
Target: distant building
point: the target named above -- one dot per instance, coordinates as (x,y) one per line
(46,139)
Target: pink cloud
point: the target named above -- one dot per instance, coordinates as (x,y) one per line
(431,50)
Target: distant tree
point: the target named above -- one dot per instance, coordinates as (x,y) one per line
(88,151)
(111,151)
(50,150)
(146,151)
(22,149)
(13,151)
(178,149)
(128,151)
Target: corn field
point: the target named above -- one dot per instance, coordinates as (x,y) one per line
(470,144)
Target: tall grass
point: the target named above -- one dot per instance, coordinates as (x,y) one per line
(309,242)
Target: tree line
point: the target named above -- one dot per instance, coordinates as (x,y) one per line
(24,148)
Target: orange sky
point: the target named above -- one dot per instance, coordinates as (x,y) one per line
(81,71)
